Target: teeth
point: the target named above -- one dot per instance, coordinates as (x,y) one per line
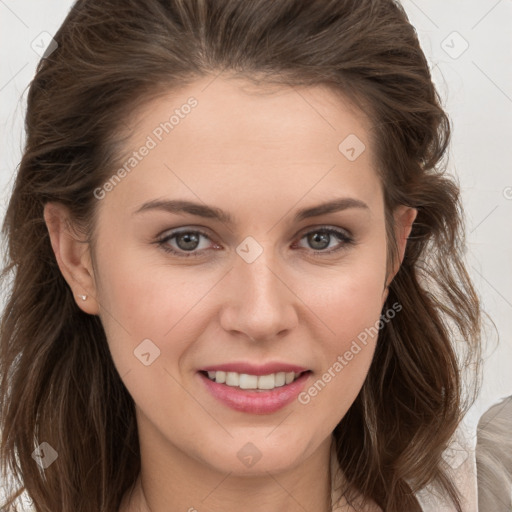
(246,381)
(290,376)
(267,381)
(232,379)
(280,379)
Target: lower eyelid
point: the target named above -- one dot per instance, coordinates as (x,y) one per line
(163,242)
(344,239)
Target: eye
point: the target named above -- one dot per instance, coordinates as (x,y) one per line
(321,239)
(187,243)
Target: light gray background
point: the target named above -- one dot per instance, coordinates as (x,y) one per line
(476,86)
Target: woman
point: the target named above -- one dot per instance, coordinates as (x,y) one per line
(237,264)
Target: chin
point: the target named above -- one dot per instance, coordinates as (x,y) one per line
(257,455)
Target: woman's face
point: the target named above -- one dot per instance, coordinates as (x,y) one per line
(215,250)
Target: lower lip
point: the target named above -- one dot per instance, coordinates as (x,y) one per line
(256,402)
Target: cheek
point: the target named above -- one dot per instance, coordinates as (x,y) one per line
(144,300)
(350,305)
(349,301)
(351,309)
(144,296)
(350,298)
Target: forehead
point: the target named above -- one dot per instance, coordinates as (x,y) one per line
(222,132)
(232,114)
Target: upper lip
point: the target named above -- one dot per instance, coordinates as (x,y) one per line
(253,369)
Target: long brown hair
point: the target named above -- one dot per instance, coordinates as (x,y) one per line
(58,381)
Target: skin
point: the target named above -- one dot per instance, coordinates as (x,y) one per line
(259,153)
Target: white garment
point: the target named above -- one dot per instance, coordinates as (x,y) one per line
(461,461)
(460,457)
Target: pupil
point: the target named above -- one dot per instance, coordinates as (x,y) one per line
(321,238)
(191,240)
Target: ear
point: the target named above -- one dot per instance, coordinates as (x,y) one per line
(73,256)
(404,217)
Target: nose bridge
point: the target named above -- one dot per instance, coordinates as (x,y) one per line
(260,281)
(262,305)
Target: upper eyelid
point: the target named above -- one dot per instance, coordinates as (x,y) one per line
(170,234)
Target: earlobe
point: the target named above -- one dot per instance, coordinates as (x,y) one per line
(72,255)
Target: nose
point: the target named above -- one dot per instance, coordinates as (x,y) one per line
(258,303)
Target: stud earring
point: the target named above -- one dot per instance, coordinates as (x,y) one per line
(83,297)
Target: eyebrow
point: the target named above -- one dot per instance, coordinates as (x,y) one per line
(179,206)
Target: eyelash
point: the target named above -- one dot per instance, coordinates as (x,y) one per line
(341,235)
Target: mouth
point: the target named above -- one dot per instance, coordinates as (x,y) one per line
(247,381)
(255,392)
